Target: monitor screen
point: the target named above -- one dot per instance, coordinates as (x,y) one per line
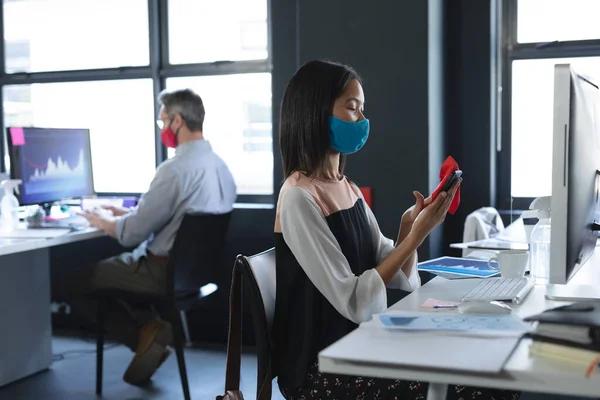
(53,164)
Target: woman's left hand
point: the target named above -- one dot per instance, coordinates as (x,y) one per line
(413,212)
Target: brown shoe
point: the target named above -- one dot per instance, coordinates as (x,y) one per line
(152,351)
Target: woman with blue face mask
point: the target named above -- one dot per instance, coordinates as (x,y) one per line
(333,264)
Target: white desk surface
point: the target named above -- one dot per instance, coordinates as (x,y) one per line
(521,372)
(12,246)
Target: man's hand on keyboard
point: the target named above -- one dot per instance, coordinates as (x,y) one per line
(102,220)
(116,211)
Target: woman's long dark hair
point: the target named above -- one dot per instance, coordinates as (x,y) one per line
(305,110)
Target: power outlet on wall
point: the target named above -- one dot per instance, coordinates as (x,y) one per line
(60,308)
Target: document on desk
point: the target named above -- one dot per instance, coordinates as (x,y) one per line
(453,323)
(464,342)
(45,233)
(493,244)
(411,350)
(9,241)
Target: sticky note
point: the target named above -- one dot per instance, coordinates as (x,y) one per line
(433,303)
(17,136)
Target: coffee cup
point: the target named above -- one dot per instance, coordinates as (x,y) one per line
(511,264)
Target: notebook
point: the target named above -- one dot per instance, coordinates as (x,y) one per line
(576,325)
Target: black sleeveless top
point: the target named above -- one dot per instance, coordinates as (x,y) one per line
(305,321)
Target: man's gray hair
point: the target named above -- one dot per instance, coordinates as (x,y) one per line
(185,103)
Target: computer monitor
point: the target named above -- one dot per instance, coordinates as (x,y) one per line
(54,164)
(575,204)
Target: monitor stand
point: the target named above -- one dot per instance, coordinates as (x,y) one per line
(47,208)
(573,292)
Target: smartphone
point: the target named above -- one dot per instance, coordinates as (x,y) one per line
(453,177)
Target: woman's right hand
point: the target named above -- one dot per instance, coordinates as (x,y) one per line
(434,214)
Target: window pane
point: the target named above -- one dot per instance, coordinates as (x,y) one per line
(119,114)
(207,30)
(42,35)
(550,20)
(532,122)
(238,125)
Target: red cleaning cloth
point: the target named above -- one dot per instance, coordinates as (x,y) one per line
(448,167)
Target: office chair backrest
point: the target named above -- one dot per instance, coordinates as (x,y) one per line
(255,277)
(259,291)
(263,269)
(484,223)
(197,253)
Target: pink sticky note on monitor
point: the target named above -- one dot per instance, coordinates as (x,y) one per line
(17,136)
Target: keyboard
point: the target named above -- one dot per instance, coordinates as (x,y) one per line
(73,222)
(501,289)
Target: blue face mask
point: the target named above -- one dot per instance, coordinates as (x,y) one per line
(348,137)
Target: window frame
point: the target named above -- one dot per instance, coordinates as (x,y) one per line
(159,69)
(511,51)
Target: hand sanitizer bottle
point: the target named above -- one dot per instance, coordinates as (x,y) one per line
(9,205)
(540,242)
